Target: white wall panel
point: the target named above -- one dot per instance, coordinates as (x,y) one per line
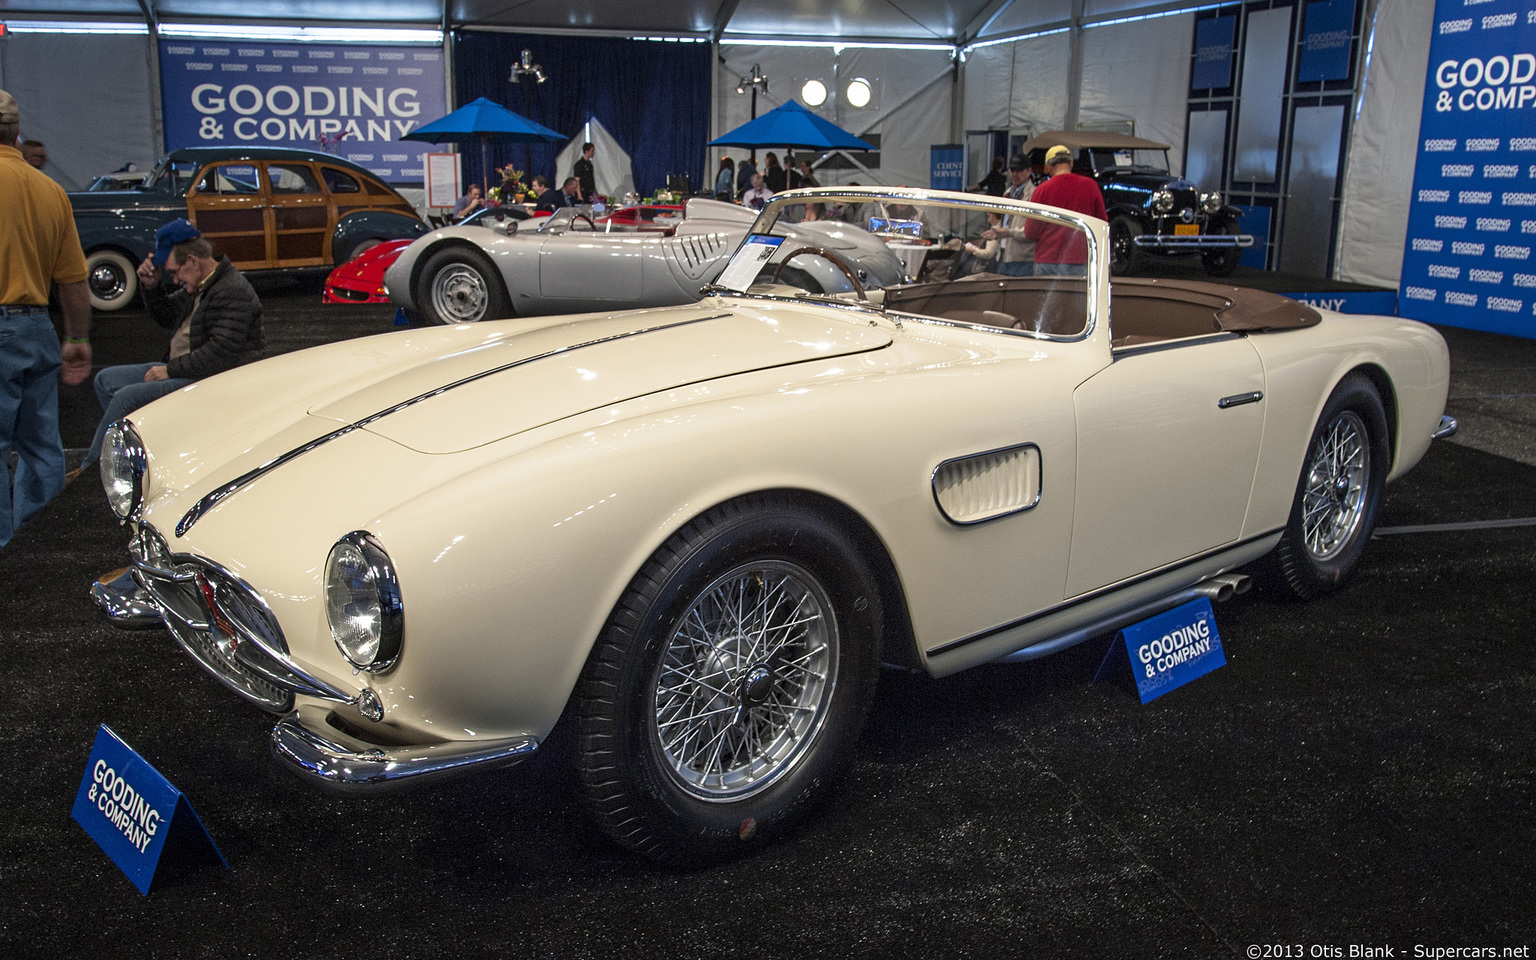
(1023,14)
(86,96)
(1378,177)
(1140,71)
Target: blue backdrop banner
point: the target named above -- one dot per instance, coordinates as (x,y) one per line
(353,100)
(1472,219)
(1213,53)
(1327,41)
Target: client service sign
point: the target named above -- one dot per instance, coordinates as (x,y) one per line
(353,100)
(1472,221)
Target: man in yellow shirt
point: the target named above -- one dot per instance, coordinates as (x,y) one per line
(38,246)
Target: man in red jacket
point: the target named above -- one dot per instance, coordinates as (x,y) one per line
(1062,250)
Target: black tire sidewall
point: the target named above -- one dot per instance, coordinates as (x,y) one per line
(496,307)
(1222,263)
(1127,265)
(1306,576)
(682,824)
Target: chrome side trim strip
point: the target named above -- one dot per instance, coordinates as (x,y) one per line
(330,761)
(213,499)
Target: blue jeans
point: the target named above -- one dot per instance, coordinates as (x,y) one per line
(122,390)
(29,417)
(1015,268)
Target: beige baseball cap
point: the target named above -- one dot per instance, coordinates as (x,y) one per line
(9,111)
(1057,154)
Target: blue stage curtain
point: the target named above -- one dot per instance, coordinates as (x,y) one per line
(653,97)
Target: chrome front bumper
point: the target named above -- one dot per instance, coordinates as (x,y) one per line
(1193,242)
(1448,427)
(341,763)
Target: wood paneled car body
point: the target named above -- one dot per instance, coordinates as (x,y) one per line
(692,534)
(267,208)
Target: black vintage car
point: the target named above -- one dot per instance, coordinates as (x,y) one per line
(267,208)
(1151,212)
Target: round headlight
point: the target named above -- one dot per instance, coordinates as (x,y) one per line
(1211,202)
(362,603)
(1162,200)
(123,467)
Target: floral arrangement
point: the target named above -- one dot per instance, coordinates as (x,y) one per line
(328,141)
(511,188)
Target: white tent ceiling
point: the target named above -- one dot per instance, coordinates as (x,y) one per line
(906,20)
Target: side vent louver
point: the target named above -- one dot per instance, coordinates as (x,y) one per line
(988,485)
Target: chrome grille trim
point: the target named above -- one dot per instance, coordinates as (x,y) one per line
(988,485)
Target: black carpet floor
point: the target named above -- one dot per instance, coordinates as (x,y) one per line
(1362,772)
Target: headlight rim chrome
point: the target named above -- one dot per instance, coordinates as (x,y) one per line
(391,608)
(123,445)
(1211,202)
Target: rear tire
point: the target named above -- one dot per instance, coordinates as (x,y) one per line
(458,285)
(1339,492)
(110,280)
(728,690)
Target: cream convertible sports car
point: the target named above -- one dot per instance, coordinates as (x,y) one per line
(692,534)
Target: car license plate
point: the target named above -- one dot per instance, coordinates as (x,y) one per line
(1186,229)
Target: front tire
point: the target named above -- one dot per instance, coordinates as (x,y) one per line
(1221,262)
(1339,492)
(110,279)
(728,690)
(459,285)
(1125,258)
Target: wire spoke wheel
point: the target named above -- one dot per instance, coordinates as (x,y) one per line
(744,681)
(1333,501)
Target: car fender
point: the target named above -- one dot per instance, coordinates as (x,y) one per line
(131,231)
(354,228)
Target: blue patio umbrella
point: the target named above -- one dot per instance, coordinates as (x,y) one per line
(791,125)
(487,122)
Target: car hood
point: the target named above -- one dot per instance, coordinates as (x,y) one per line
(461,387)
(107,200)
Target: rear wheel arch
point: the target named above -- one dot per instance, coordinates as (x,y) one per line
(470,252)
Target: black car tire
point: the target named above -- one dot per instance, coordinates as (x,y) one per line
(1339,492)
(110,279)
(1222,261)
(458,285)
(1125,258)
(700,734)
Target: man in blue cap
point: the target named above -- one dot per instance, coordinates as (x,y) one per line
(217,321)
(216,317)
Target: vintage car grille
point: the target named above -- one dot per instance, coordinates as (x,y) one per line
(342,293)
(216,618)
(988,485)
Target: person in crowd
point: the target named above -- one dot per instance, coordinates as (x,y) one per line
(468,203)
(1019,249)
(572,190)
(38,247)
(774,177)
(815,211)
(758,194)
(994,183)
(546,198)
(807,177)
(585,176)
(725,179)
(215,316)
(984,254)
(849,212)
(34,153)
(745,170)
(1061,250)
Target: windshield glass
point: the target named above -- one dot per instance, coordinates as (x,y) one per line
(923,253)
(1140,161)
(172,177)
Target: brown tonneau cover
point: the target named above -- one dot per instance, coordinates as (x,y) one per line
(1141,310)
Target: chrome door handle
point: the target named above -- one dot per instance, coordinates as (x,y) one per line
(1238,399)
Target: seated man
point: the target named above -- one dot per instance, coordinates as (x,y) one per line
(548,200)
(217,321)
